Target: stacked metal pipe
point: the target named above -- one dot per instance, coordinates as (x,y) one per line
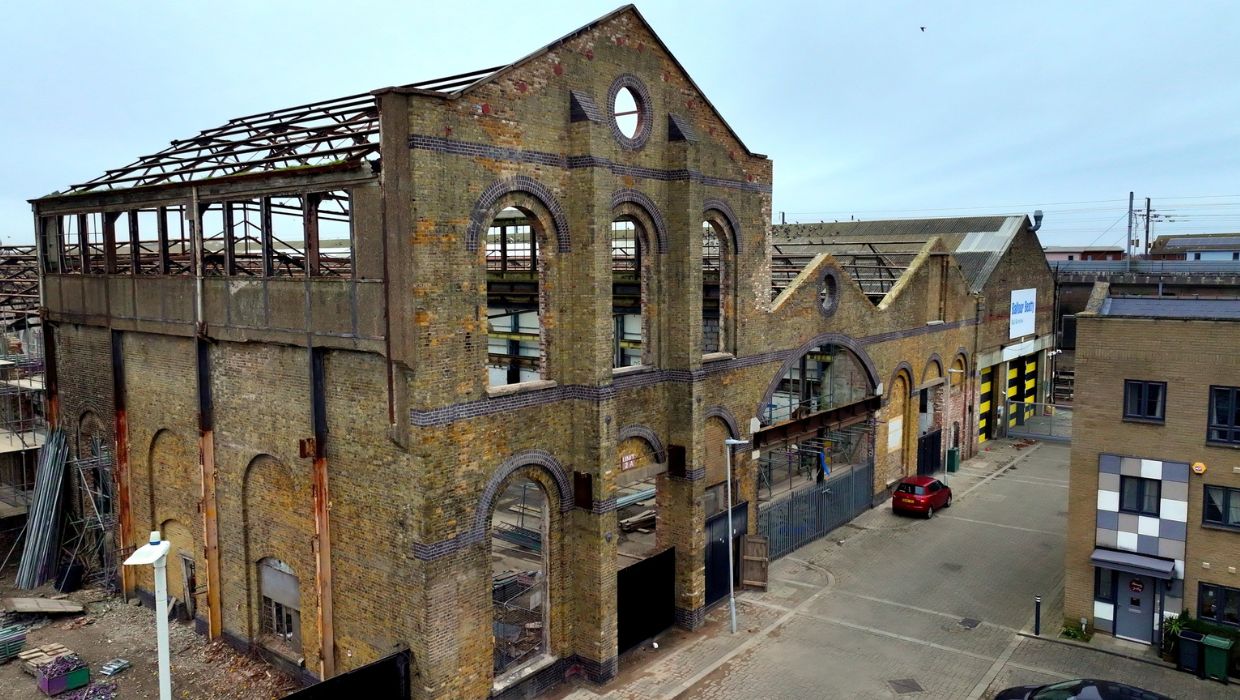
(38,564)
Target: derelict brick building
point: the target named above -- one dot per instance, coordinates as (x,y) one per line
(436,365)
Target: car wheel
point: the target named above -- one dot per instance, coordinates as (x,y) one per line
(929,512)
(949,502)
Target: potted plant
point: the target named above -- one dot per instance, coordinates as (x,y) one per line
(1171,627)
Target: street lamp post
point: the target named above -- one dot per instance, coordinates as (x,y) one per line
(728,443)
(155,553)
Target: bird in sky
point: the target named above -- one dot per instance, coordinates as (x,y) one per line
(923,29)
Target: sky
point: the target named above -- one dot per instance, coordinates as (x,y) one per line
(993,108)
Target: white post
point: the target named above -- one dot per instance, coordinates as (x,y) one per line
(155,553)
(728,443)
(727,454)
(161,627)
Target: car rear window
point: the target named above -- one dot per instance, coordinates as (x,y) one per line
(910,488)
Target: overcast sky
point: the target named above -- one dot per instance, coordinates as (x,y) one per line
(996,107)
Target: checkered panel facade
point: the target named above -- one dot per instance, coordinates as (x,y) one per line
(1161,536)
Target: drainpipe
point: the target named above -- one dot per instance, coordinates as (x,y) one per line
(321,544)
(206,429)
(978,303)
(51,387)
(125,515)
(195,225)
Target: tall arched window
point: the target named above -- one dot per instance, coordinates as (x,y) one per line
(629,293)
(826,377)
(514,308)
(718,288)
(519,526)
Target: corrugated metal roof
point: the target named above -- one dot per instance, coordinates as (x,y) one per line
(1200,241)
(1173,307)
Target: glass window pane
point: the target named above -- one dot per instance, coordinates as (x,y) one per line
(1132,399)
(1222,407)
(1206,606)
(1130,493)
(1105,584)
(1151,496)
(1153,401)
(1231,610)
(1214,505)
(1233,507)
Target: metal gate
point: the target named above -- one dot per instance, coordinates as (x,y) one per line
(930,452)
(645,598)
(717,549)
(815,510)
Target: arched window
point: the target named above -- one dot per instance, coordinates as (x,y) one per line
(629,265)
(279,619)
(514,306)
(825,377)
(900,418)
(718,288)
(519,526)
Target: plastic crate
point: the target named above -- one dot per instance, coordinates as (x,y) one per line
(56,685)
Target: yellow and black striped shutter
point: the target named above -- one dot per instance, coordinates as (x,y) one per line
(983,406)
(1013,392)
(1031,385)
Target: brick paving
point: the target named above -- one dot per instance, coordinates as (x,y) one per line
(889,604)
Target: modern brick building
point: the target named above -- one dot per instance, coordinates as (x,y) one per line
(1154,499)
(442,365)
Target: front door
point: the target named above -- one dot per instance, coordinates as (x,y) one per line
(1134,608)
(717,549)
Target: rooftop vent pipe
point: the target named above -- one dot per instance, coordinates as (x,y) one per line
(1037,219)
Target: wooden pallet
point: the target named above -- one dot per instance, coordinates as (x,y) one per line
(40,606)
(32,659)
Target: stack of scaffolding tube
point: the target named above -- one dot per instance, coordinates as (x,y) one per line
(38,564)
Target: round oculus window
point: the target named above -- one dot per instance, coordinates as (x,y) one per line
(630,111)
(627,115)
(828,294)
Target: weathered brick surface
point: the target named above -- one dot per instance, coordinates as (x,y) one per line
(84,353)
(1109,351)
(413,471)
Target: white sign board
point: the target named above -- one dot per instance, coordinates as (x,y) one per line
(1024,310)
(895,434)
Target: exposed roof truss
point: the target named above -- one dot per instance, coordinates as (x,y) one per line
(875,266)
(322,133)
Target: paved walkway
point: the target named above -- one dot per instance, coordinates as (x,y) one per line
(889,606)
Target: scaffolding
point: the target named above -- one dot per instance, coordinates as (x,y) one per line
(785,468)
(23,427)
(89,546)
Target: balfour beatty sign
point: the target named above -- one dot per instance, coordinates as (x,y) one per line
(1024,309)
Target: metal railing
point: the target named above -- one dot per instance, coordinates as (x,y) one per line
(1041,421)
(518,619)
(1180,267)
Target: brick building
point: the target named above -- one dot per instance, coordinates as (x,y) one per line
(388,370)
(1001,261)
(1154,494)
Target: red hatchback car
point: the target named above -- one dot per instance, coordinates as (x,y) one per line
(921,495)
